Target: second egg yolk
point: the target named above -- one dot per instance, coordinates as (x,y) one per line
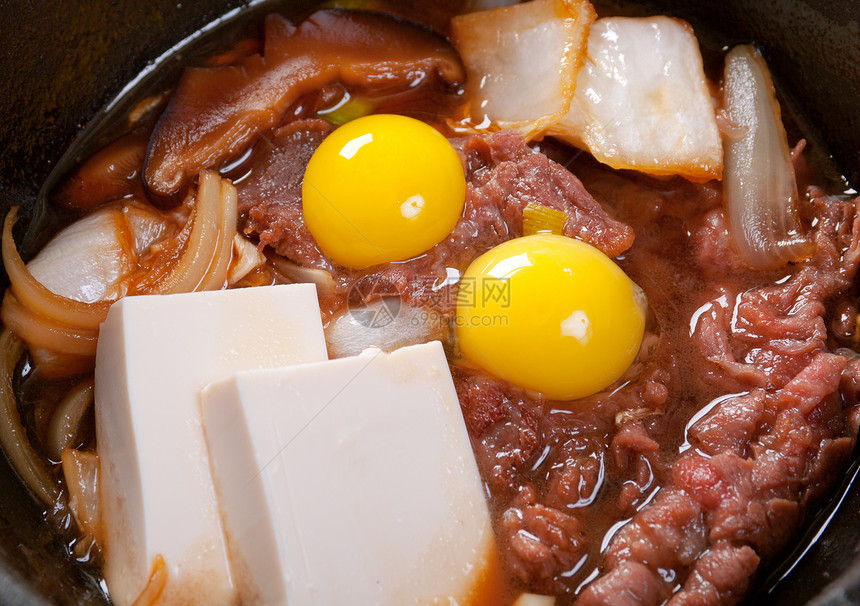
(550,314)
(382,188)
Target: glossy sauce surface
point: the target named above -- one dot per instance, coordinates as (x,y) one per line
(569,456)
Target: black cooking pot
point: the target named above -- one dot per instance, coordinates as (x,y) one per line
(60,62)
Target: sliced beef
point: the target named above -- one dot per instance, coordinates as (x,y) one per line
(721,577)
(730,425)
(707,499)
(632,439)
(813,384)
(540,543)
(270,199)
(504,427)
(668,534)
(628,584)
(764,337)
(760,458)
(574,481)
(506,175)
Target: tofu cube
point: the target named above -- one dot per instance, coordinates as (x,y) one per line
(350,481)
(155,354)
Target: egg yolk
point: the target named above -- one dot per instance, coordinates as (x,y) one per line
(550,314)
(382,188)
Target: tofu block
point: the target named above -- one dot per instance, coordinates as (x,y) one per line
(350,481)
(155,354)
(642,101)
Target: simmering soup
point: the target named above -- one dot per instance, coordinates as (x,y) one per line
(644,290)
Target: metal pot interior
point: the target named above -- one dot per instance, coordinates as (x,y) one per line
(63,62)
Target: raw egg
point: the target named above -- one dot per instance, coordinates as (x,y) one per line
(382,188)
(550,314)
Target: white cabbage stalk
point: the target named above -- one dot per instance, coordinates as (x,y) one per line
(642,100)
(88,260)
(759,188)
(522,61)
(386,324)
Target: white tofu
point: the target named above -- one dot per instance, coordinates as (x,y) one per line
(155,354)
(349,482)
(642,100)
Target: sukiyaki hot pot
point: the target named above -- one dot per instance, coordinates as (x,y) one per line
(579,478)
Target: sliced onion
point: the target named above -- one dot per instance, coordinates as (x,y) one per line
(55,365)
(88,258)
(81,470)
(45,332)
(187,274)
(147,225)
(759,186)
(247,257)
(387,324)
(66,422)
(36,297)
(155,586)
(293,273)
(13,436)
(216,276)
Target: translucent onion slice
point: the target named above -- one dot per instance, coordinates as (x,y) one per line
(759,187)
(189,271)
(13,436)
(88,258)
(55,365)
(66,422)
(246,258)
(296,274)
(147,225)
(216,276)
(42,331)
(37,297)
(642,101)
(156,584)
(81,470)
(522,61)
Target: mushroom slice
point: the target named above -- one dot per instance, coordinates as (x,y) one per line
(216,112)
(643,102)
(522,61)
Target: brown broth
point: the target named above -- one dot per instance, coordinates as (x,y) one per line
(662,212)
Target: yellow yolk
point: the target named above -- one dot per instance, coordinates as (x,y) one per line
(382,188)
(550,314)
